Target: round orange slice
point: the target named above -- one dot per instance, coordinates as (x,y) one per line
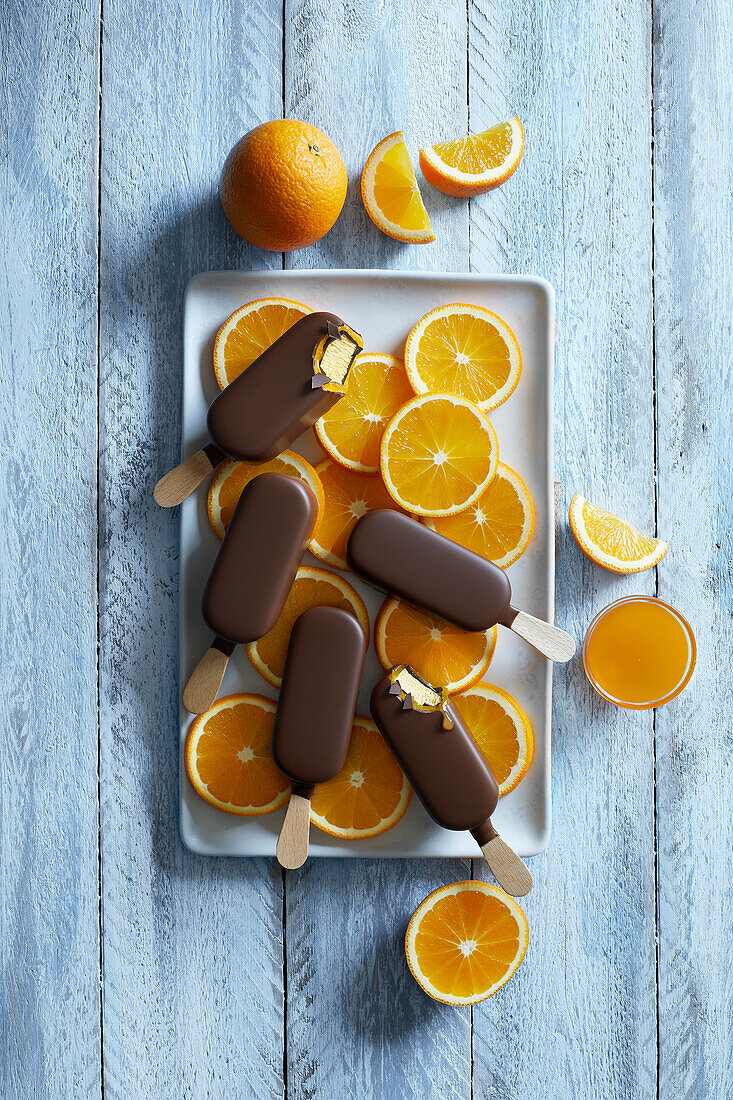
(475,164)
(249,331)
(501,730)
(498,525)
(439,652)
(466,351)
(312,587)
(348,496)
(369,795)
(438,455)
(231,477)
(610,542)
(228,757)
(465,941)
(391,195)
(352,430)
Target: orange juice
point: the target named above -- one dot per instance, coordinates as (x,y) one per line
(639,652)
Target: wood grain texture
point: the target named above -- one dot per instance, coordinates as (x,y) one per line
(693,239)
(580,1017)
(192,948)
(49,948)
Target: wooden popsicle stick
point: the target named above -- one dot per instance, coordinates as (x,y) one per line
(549,640)
(511,872)
(292,844)
(180,482)
(205,680)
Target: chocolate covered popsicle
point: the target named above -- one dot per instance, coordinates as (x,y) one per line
(315,714)
(252,575)
(277,398)
(445,767)
(399,555)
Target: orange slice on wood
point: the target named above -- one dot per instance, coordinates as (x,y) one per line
(231,477)
(229,760)
(438,455)
(465,941)
(466,351)
(498,525)
(351,432)
(312,587)
(439,652)
(501,730)
(391,195)
(475,164)
(348,496)
(610,542)
(369,795)
(249,331)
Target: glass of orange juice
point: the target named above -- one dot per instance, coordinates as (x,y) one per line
(639,652)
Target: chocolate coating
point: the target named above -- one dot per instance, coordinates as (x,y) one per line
(445,767)
(401,556)
(315,711)
(259,557)
(273,402)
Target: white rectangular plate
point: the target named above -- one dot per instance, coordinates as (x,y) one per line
(383,306)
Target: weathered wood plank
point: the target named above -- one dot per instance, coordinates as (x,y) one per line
(193,997)
(579,1019)
(49,949)
(693,239)
(357,1023)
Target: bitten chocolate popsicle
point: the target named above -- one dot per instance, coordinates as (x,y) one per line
(277,398)
(398,555)
(252,575)
(315,714)
(445,767)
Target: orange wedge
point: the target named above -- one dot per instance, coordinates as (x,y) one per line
(438,455)
(466,351)
(465,941)
(249,331)
(369,795)
(439,652)
(502,731)
(475,164)
(231,477)
(312,587)
(498,525)
(348,497)
(228,757)
(390,193)
(610,542)
(352,430)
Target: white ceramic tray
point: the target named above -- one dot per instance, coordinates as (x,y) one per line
(383,306)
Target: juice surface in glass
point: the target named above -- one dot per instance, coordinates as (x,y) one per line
(639,652)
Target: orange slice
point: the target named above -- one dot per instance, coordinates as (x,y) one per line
(498,525)
(312,587)
(502,731)
(231,477)
(249,331)
(390,193)
(475,164)
(228,757)
(610,542)
(352,430)
(464,350)
(438,455)
(465,941)
(439,652)
(348,497)
(369,795)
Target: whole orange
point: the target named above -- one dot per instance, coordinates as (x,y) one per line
(283,185)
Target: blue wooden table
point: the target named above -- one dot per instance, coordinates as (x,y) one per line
(133,969)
